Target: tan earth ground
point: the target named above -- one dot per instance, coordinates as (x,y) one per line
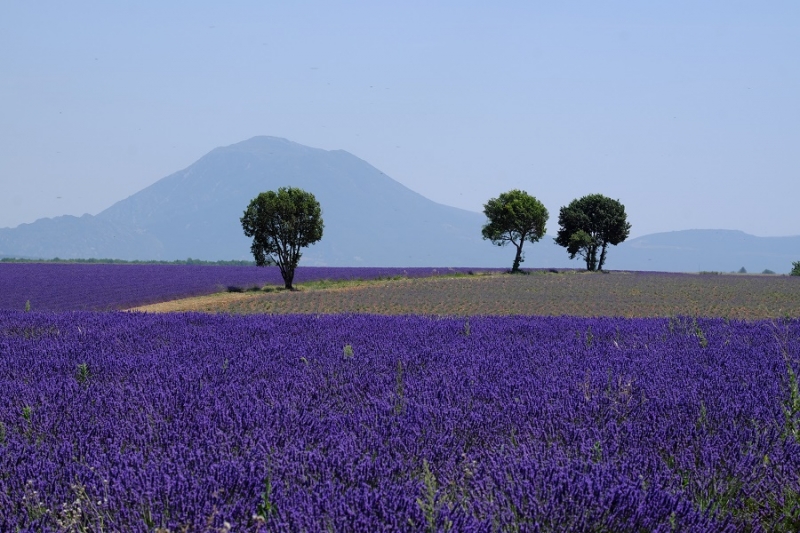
(568,293)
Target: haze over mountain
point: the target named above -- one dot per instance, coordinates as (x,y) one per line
(370,220)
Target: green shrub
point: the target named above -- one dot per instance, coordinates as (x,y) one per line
(796,268)
(82,373)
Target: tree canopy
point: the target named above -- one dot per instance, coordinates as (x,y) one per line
(590,224)
(515,217)
(281,223)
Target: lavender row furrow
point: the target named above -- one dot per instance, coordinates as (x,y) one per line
(133,422)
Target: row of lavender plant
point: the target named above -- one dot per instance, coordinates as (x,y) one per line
(101,287)
(133,422)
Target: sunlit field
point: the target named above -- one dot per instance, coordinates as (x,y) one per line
(105,287)
(307,410)
(625,294)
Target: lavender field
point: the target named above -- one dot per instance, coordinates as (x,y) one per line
(190,422)
(102,287)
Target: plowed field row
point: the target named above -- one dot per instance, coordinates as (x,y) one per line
(579,294)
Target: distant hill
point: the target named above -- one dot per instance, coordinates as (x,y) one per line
(370,220)
(708,250)
(681,251)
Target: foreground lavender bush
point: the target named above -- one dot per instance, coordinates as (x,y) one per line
(102,287)
(132,422)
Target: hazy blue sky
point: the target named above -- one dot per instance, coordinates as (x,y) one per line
(688,112)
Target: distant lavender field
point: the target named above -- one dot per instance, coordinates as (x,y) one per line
(188,422)
(103,287)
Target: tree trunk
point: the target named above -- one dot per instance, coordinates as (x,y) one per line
(591,257)
(287,273)
(288,277)
(602,257)
(517,259)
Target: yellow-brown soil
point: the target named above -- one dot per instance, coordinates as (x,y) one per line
(574,293)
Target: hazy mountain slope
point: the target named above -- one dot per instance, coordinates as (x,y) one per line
(709,250)
(70,237)
(370,220)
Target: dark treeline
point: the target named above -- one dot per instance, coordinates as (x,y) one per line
(187,261)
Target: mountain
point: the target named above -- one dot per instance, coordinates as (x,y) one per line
(70,237)
(707,250)
(370,220)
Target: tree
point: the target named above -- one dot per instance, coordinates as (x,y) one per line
(281,223)
(795,268)
(515,217)
(590,224)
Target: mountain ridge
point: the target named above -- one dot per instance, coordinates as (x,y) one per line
(195,213)
(370,220)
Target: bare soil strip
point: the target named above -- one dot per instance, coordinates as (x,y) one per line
(572,293)
(211,303)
